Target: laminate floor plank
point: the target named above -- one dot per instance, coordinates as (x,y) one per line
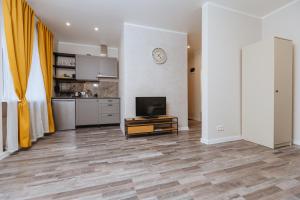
(99,163)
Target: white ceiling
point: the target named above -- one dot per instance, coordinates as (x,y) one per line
(109,15)
(258,8)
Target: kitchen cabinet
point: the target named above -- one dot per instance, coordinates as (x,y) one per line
(94,67)
(108,67)
(87,112)
(97,111)
(110,108)
(87,67)
(109,111)
(267,92)
(113,118)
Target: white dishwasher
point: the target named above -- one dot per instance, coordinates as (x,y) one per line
(64,114)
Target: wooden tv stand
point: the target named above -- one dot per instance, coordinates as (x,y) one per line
(146,126)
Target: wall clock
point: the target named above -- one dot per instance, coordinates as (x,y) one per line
(159,56)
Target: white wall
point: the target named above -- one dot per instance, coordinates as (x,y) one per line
(140,76)
(285,23)
(83,49)
(225,32)
(122,77)
(194,84)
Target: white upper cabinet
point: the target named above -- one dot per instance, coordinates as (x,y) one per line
(94,67)
(87,67)
(108,67)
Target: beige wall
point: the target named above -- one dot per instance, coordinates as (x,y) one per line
(194,84)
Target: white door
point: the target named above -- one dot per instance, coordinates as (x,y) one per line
(283,91)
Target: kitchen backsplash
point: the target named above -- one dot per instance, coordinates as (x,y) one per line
(92,89)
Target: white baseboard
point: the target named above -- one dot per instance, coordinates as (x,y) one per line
(221,140)
(3,155)
(296,141)
(184,128)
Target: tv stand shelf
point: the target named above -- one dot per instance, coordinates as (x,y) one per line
(150,126)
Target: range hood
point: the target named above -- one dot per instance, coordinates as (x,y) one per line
(104,53)
(105,76)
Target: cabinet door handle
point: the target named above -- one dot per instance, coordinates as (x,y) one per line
(110,115)
(277,91)
(109,104)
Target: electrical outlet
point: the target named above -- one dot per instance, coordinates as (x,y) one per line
(220,128)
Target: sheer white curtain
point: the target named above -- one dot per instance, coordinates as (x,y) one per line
(35,95)
(10,97)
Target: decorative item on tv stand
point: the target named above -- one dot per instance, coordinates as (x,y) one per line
(152,118)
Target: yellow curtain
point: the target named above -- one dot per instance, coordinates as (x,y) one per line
(45,38)
(19,31)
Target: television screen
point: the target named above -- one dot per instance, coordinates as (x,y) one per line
(150,106)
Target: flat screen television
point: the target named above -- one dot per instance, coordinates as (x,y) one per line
(150,106)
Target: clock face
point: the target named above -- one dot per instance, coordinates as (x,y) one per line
(159,56)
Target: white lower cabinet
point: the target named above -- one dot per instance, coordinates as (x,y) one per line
(97,111)
(86,114)
(110,111)
(110,118)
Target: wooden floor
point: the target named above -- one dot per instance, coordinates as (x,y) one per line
(98,163)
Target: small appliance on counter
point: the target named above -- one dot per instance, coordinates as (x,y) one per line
(77,94)
(84,95)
